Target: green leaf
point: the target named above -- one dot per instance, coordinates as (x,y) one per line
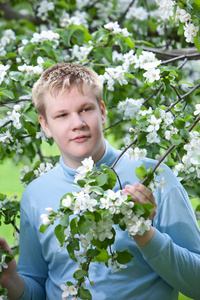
(64,221)
(59,232)
(124,256)
(73,226)
(197,41)
(71,252)
(129,75)
(179,123)
(30,127)
(74,243)
(191,191)
(105,52)
(138,209)
(148,208)
(97,190)
(102,179)
(102,256)
(141,172)
(7,93)
(129,42)
(176,140)
(79,274)
(92,252)
(84,225)
(84,294)
(43,228)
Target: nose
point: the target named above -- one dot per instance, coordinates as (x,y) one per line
(77,121)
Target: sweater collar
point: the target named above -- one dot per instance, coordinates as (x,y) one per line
(108,158)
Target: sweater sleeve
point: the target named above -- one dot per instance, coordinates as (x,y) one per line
(31,264)
(174,251)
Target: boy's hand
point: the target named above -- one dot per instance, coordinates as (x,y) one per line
(10,279)
(142,194)
(12,266)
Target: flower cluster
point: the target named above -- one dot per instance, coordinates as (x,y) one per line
(7,38)
(112,74)
(68,290)
(28,174)
(115,29)
(3,73)
(136,153)
(44,7)
(146,61)
(160,122)
(190,161)
(15,115)
(3,264)
(78,18)
(181,15)
(80,53)
(48,35)
(94,212)
(129,108)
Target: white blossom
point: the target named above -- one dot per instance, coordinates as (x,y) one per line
(129,108)
(15,118)
(87,165)
(197,111)
(153,137)
(137,12)
(166,8)
(66,202)
(136,154)
(45,219)
(3,264)
(155,124)
(68,290)
(43,168)
(182,15)
(3,73)
(78,18)
(152,74)
(43,9)
(48,35)
(190,31)
(115,28)
(81,52)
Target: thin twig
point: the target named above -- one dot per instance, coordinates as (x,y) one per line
(6,124)
(112,125)
(182,97)
(122,153)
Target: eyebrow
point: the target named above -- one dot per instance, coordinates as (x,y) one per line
(66,111)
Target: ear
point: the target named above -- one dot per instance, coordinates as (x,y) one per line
(103,112)
(45,126)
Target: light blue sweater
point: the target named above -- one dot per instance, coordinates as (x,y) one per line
(169,263)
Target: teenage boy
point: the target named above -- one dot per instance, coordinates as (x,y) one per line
(68,99)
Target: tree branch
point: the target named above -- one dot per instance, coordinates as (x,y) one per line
(9,14)
(177,54)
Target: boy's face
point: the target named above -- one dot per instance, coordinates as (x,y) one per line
(75,122)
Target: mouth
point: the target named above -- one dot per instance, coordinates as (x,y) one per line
(81,138)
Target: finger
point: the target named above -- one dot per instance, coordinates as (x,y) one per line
(4,245)
(140,193)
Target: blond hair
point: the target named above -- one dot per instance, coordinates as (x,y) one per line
(63,77)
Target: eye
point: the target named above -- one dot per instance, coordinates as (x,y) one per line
(61,116)
(86,109)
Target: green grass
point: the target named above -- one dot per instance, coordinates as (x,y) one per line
(9,180)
